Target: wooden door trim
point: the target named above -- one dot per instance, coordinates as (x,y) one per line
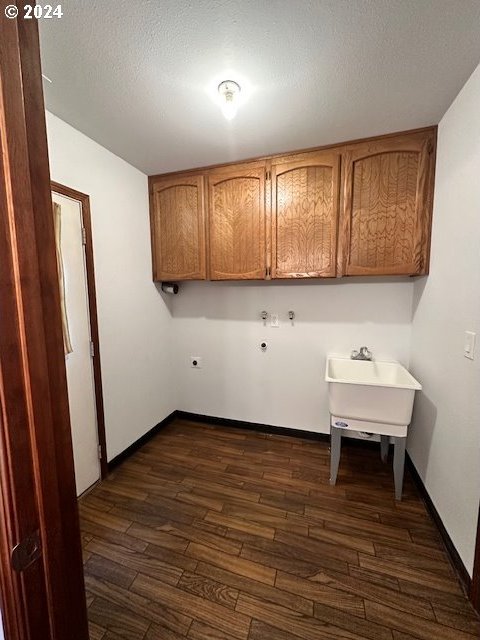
(48,600)
(475,585)
(84,200)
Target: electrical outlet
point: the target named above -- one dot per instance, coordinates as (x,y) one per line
(469,345)
(274,322)
(196,362)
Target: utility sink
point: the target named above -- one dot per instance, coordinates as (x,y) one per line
(373,398)
(376,392)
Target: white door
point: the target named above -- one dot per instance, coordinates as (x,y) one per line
(80,380)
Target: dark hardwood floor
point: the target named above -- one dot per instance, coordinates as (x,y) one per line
(221,534)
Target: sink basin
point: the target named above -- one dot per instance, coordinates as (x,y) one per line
(375,392)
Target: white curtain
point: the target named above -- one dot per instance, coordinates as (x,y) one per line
(57,220)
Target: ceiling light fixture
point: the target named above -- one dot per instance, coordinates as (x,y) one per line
(229,90)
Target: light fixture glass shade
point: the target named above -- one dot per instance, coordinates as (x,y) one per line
(229,110)
(229,90)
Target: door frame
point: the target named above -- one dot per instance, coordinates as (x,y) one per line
(475,586)
(84,200)
(46,599)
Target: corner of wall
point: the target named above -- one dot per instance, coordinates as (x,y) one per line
(444,440)
(133,315)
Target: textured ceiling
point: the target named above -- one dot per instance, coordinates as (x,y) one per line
(137,75)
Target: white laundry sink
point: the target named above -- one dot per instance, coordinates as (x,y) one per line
(375,392)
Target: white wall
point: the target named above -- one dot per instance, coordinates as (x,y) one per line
(134,319)
(145,352)
(284,386)
(147,339)
(444,442)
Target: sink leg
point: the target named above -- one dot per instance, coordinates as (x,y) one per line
(335,447)
(398,465)
(384,443)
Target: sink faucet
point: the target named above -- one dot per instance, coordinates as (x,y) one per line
(363,354)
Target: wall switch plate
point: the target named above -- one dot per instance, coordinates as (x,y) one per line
(196,362)
(274,322)
(469,345)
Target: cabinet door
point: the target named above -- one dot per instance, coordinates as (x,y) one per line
(305,196)
(236,209)
(178,228)
(385,227)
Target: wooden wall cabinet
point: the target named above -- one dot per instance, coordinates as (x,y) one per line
(387,200)
(305,200)
(177,215)
(236,213)
(361,208)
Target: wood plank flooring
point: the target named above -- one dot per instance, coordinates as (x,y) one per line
(223,534)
